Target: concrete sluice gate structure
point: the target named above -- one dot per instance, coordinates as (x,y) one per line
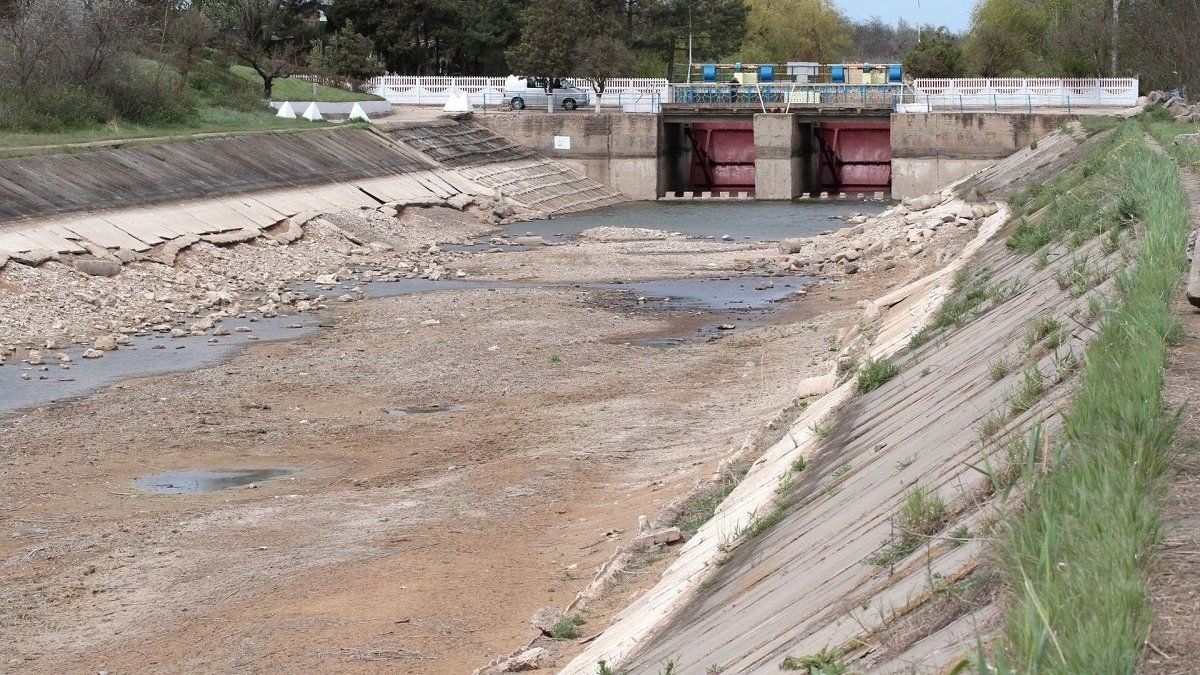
(164,197)
(694,152)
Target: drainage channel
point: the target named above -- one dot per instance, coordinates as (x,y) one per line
(28,386)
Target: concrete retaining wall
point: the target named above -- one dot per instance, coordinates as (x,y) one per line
(930,150)
(620,151)
(141,175)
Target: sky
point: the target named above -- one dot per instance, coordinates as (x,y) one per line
(953,14)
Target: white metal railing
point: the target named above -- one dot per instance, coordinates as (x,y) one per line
(1021,93)
(630,94)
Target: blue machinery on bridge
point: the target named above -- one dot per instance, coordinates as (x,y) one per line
(794,84)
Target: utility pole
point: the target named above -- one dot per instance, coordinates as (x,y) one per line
(1116,34)
(689,67)
(919,21)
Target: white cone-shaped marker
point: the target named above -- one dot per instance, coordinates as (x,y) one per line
(311,113)
(357,113)
(458,102)
(286,111)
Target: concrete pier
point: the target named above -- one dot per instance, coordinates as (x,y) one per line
(777,156)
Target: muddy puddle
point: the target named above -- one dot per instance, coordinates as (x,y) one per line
(421,409)
(713,294)
(149,355)
(203,481)
(748,220)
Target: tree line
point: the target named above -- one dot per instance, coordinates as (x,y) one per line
(648,38)
(160,60)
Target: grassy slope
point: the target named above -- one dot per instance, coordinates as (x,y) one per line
(289,89)
(210,120)
(1077,557)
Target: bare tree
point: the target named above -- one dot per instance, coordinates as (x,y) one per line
(265,34)
(190,33)
(30,31)
(601,58)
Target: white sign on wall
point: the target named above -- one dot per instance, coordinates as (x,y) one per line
(562,142)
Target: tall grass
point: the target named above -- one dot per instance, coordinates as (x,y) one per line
(1077,556)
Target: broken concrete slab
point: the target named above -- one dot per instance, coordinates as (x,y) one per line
(460,201)
(168,251)
(285,231)
(232,237)
(33,258)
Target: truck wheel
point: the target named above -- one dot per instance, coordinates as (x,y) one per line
(518,103)
(569,104)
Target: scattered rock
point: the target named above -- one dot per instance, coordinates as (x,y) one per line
(790,246)
(851,268)
(546,618)
(923,202)
(661,537)
(98,268)
(34,357)
(93,354)
(106,343)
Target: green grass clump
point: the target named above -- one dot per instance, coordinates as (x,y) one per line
(923,514)
(1042,326)
(1077,557)
(873,373)
(1028,392)
(294,89)
(828,661)
(567,628)
(999,368)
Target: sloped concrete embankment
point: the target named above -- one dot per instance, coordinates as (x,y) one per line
(785,567)
(155,200)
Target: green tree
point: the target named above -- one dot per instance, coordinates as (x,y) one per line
(550,29)
(937,55)
(661,28)
(458,37)
(796,30)
(345,57)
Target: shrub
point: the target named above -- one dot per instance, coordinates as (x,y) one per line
(51,109)
(828,661)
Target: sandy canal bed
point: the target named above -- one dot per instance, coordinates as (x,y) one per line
(455,460)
